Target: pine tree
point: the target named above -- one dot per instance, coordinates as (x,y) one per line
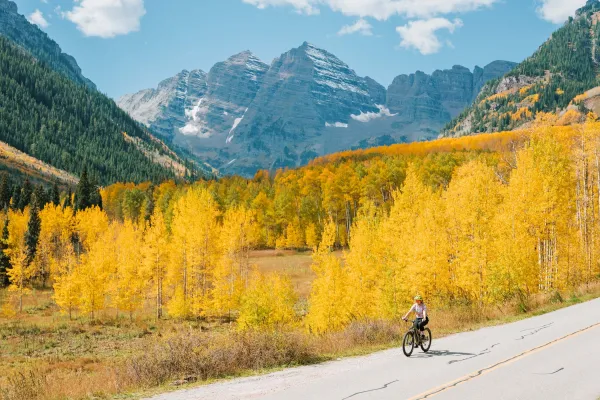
(33,233)
(26,194)
(4,258)
(40,197)
(83,192)
(5,191)
(16,197)
(55,196)
(68,199)
(95,196)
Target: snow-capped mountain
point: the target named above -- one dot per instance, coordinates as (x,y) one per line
(245,115)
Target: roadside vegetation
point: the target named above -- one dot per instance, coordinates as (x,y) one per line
(149,285)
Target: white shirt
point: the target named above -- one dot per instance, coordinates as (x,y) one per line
(418,309)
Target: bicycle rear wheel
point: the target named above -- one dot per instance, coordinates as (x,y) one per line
(426,343)
(408,343)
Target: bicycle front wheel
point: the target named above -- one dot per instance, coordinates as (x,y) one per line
(426,342)
(408,343)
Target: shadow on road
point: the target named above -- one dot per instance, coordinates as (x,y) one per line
(441,353)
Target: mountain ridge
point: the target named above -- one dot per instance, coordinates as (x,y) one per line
(15,27)
(306,103)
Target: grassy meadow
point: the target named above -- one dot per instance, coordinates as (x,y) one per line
(45,355)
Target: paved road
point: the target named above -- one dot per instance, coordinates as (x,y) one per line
(553,356)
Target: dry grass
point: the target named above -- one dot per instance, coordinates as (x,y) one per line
(294,264)
(28,165)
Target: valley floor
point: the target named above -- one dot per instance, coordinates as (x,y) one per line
(44,355)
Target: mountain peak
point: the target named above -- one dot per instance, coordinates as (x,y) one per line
(9,6)
(242,57)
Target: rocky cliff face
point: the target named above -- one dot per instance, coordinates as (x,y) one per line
(442,95)
(20,31)
(244,115)
(491,71)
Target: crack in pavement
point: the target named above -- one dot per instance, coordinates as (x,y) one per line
(371,390)
(484,351)
(548,373)
(534,330)
(441,353)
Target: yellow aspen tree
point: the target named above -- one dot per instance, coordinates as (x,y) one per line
(472,200)
(403,235)
(55,241)
(312,236)
(19,275)
(129,281)
(364,265)
(21,272)
(67,292)
(268,303)
(328,309)
(238,236)
(90,224)
(94,275)
(195,248)
(156,256)
(294,236)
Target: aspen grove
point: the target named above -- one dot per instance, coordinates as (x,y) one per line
(475,222)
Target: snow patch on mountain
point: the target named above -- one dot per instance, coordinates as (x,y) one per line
(236,122)
(195,123)
(336,125)
(369,116)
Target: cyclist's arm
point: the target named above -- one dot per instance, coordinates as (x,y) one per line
(409,311)
(425,312)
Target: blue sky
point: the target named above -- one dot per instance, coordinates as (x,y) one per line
(128,45)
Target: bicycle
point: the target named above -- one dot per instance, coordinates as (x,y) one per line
(413,339)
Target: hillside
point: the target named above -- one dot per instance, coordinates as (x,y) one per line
(67,125)
(559,78)
(20,165)
(15,27)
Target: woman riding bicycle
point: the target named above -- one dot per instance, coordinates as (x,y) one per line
(420,310)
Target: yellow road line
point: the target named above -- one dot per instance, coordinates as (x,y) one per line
(432,392)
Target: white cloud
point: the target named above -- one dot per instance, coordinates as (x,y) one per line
(421,34)
(380,9)
(107,18)
(361,26)
(557,11)
(302,6)
(37,17)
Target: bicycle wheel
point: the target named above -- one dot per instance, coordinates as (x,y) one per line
(426,343)
(408,343)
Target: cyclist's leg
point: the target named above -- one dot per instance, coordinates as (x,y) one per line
(423,324)
(417,323)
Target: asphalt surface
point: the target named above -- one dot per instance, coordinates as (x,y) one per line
(552,356)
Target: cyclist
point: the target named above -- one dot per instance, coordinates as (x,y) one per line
(420,310)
